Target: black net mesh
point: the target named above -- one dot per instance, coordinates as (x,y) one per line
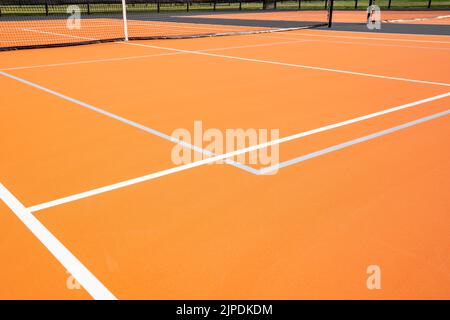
(47,23)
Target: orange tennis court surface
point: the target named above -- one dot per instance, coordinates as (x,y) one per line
(88,182)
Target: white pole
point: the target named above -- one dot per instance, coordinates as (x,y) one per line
(125,22)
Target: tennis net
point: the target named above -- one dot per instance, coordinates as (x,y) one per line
(28,24)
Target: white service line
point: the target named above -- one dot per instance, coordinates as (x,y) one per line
(151,55)
(89,282)
(416,19)
(370,38)
(350,143)
(221,157)
(62,64)
(289,64)
(59,34)
(357,43)
(126,121)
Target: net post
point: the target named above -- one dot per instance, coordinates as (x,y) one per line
(46,8)
(429,4)
(330,14)
(125,21)
(89,8)
(389,4)
(356,4)
(299,4)
(240,5)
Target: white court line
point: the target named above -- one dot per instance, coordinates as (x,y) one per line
(266,35)
(89,282)
(290,64)
(292,41)
(129,122)
(282,63)
(375,38)
(417,19)
(149,55)
(62,64)
(59,34)
(356,43)
(223,156)
(350,143)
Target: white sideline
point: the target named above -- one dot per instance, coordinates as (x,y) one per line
(358,119)
(350,143)
(289,64)
(223,156)
(89,282)
(126,121)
